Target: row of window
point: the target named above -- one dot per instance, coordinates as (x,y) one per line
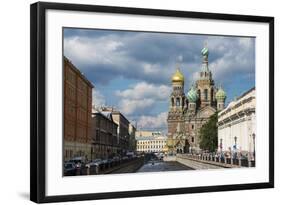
(151,142)
(82,99)
(206,97)
(150,147)
(82,85)
(71,77)
(105,125)
(70,153)
(106,138)
(82,114)
(177,101)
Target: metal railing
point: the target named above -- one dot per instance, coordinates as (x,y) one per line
(227,160)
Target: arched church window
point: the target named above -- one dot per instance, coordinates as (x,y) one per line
(172,101)
(177,102)
(212,94)
(206,94)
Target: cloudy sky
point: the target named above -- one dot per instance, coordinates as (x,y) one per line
(132,70)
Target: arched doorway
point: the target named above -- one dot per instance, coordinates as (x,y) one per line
(186,146)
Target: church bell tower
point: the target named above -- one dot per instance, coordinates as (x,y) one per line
(177,98)
(205,83)
(177,103)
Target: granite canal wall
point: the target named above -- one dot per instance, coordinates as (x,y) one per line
(130,167)
(204,162)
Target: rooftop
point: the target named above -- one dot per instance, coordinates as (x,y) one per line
(66,60)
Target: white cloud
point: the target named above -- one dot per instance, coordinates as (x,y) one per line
(84,50)
(98,99)
(142,97)
(180,58)
(144,90)
(152,57)
(129,106)
(247,43)
(233,56)
(149,68)
(155,123)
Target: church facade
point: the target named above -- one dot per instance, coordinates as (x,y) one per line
(188,112)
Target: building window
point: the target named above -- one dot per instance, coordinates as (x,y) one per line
(192,126)
(177,102)
(199,94)
(206,94)
(192,139)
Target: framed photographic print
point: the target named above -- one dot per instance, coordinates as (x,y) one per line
(129,102)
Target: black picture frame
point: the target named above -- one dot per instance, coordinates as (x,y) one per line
(38,100)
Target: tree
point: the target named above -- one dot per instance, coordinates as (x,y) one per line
(209,134)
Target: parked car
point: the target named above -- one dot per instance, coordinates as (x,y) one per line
(125,158)
(110,162)
(95,166)
(106,163)
(95,162)
(69,169)
(116,160)
(79,162)
(130,155)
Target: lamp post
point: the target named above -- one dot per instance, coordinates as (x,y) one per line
(254,153)
(235,142)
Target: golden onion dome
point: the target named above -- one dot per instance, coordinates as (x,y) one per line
(178,77)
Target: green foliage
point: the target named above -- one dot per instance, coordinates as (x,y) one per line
(209,134)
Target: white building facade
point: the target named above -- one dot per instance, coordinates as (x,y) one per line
(152,144)
(237,125)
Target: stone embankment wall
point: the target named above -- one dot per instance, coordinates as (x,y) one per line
(196,162)
(129,167)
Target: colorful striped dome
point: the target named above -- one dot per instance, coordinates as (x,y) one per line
(205,51)
(220,95)
(192,95)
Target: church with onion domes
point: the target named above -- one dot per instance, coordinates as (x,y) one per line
(189,111)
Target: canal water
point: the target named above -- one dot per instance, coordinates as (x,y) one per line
(159,165)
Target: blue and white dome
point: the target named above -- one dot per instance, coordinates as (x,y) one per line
(192,95)
(205,51)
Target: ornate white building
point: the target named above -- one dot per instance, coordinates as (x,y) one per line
(237,124)
(154,143)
